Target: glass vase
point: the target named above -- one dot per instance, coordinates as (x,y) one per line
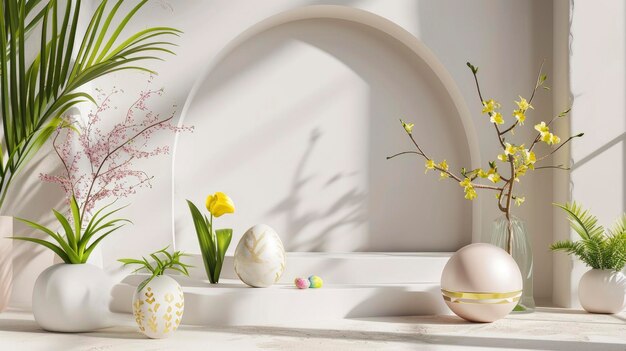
(522,254)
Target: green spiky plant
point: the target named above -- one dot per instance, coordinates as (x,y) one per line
(166,261)
(37,89)
(73,246)
(597,248)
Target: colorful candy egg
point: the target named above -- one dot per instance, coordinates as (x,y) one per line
(316,282)
(302,283)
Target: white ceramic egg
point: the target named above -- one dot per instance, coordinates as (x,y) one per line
(260,257)
(481,283)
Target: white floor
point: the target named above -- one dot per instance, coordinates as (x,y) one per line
(547,329)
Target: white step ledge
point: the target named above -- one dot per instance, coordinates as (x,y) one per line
(356,285)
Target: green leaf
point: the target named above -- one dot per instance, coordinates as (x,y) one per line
(69,232)
(205,239)
(48,245)
(223,241)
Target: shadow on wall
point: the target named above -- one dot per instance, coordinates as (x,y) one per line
(341,193)
(351,202)
(32,199)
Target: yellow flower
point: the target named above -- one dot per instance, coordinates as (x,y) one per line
(496,118)
(470,193)
(521,170)
(219,204)
(408,127)
(529,157)
(542,128)
(443,165)
(519,116)
(494,177)
(509,149)
(523,104)
(519,200)
(550,138)
(482,173)
(466,183)
(430,164)
(503,157)
(490,106)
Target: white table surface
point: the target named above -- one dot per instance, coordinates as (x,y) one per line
(546,329)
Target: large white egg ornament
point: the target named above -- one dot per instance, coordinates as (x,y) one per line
(481,283)
(260,257)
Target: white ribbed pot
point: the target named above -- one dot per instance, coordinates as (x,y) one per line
(602,291)
(72,298)
(6,261)
(158,307)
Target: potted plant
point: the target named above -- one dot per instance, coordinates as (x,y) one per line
(38,86)
(73,296)
(602,289)
(213,242)
(159,302)
(517,159)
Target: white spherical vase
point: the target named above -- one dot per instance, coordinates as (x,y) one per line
(481,283)
(602,291)
(260,257)
(72,298)
(158,307)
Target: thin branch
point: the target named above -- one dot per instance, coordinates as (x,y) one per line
(404,153)
(561,167)
(111,153)
(537,83)
(562,144)
(480,96)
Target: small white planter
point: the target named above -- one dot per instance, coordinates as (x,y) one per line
(602,291)
(158,307)
(6,260)
(72,298)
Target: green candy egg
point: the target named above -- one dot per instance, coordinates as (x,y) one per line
(316,282)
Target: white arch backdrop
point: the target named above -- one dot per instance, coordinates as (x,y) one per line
(278,33)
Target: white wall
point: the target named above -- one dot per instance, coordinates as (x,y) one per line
(507,40)
(597,81)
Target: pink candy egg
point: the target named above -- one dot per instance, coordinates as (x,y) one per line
(302,283)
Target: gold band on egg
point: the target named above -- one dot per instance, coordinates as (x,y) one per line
(482,297)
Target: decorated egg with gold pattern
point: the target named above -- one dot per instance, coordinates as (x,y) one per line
(260,257)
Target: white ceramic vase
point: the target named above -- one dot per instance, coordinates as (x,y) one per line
(158,307)
(72,298)
(6,261)
(602,291)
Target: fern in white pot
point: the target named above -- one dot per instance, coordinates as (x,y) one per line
(603,288)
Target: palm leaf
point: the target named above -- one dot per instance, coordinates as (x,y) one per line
(37,89)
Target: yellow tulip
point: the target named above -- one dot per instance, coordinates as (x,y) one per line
(219,204)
